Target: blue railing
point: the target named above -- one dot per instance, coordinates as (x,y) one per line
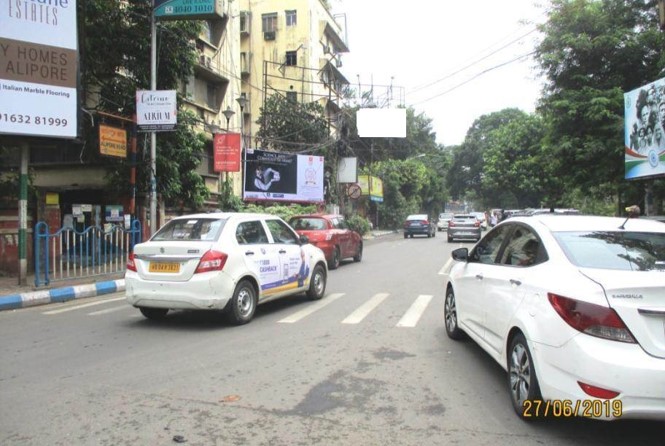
(70,254)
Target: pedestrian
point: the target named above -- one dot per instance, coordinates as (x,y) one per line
(493,219)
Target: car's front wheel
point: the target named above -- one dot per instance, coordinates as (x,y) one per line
(317,284)
(522,380)
(450,315)
(155,314)
(243,303)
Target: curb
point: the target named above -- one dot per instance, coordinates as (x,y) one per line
(24,300)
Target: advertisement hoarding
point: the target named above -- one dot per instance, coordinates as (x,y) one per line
(226,152)
(156,110)
(373,189)
(112,141)
(38,68)
(644,131)
(276,176)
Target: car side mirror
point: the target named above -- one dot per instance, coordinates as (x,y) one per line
(460,254)
(304,240)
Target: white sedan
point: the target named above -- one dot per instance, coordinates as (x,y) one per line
(222,261)
(573,307)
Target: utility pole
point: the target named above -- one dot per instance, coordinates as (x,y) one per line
(153,135)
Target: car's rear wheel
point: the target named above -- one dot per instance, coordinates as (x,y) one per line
(155,314)
(522,380)
(450,239)
(450,315)
(317,284)
(359,256)
(334,261)
(243,303)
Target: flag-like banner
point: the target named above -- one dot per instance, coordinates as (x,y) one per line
(227,152)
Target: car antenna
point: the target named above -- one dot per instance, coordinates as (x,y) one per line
(633,212)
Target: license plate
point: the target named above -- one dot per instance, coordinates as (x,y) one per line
(164,267)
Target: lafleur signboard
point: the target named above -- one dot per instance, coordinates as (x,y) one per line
(188,9)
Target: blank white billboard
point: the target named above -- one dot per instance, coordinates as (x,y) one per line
(381,122)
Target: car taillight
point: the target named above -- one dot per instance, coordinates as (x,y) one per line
(131,266)
(211,261)
(425,222)
(477,223)
(451,223)
(592,319)
(597,392)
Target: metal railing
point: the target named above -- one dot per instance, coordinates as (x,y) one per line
(70,254)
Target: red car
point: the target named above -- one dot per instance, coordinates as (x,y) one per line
(330,233)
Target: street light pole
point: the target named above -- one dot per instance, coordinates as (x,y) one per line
(228,113)
(153,135)
(242,101)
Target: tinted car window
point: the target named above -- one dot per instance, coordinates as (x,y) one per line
(202,229)
(308,223)
(629,251)
(522,249)
(487,250)
(281,233)
(251,232)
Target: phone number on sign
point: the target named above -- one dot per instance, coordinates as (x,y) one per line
(568,408)
(30,119)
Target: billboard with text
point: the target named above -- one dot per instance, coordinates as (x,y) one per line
(644,131)
(277,176)
(38,68)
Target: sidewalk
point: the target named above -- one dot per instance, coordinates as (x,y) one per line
(14,296)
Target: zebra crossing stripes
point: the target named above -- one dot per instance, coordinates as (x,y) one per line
(358,315)
(295,317)
(413,314)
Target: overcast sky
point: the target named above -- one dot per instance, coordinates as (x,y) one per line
(420,45)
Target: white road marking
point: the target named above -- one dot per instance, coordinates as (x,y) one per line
(413,314)
(295,317)
(365,309)
(78,307)
(110,310)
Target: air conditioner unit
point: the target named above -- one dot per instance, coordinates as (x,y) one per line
(269,35)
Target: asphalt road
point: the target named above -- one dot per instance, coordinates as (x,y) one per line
(369,364)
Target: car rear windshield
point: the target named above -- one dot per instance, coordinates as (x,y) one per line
(202,229)
(307,223)
(628,251)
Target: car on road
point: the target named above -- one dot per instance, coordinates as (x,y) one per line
(481,218)
(464,226)
(332,235)
(572,307)
(419,224)
(444,218)
(222,261)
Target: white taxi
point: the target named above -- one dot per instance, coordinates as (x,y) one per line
(222,261)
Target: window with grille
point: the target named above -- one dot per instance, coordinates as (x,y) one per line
(291,18)
(269,22)
(291,58)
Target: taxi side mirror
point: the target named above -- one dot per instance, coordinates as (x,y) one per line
(304,240)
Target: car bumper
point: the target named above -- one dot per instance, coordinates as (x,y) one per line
(207,291)
(421,231)
(464,233)
(617,366)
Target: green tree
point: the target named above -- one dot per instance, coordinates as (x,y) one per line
(115,61)
(292,126)
(513,160)
(592,52)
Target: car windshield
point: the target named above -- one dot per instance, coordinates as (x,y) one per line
(308,224)
(628,251)
(202,229)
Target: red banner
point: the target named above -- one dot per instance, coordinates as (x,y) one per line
(227,152)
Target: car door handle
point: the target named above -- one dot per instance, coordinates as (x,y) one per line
(515,282)
(249,253)
(479,276)
(282,251)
